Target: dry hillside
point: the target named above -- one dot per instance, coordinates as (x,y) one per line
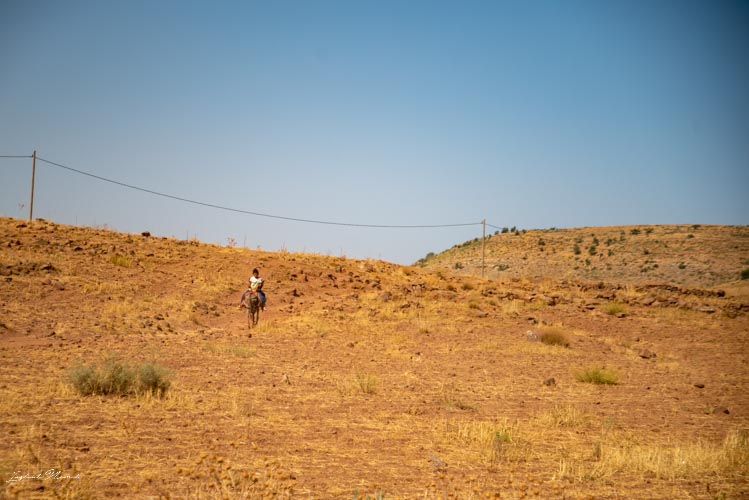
(370,379)
(686,255)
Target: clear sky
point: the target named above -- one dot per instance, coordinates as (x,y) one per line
(532,114)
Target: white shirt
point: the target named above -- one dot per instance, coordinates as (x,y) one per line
(255,283)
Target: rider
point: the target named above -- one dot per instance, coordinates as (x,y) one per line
(256,286)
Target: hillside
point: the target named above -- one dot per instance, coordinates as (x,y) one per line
(368,378)
(686,255)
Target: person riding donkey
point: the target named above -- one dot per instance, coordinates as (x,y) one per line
(255,287)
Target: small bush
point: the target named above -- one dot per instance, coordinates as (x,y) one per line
(153,378)
(119,378)
(367,384)
(682,265)
(745,274)
(505,230)
(458,265)
(554,336)
(634,231)
(576,249)
(597,375)
(614,308)
(120,260)
(467,286)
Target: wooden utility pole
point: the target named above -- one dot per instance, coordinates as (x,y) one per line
(483,247)
(33,176)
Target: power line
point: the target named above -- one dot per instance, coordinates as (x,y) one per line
(15,156)
(249,212)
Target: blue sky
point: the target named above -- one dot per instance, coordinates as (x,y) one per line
(532,114)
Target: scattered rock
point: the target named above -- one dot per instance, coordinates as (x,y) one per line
(706,309)
(720,409)
(648,300)
(551,382)
(532,336)
(385,297)
(699,386)
(646,354)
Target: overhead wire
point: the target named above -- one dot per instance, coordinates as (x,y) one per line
(250,212)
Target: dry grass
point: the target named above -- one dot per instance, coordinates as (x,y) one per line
(338,391)
(554,336)
(682,461)
(597,375)
(615,308)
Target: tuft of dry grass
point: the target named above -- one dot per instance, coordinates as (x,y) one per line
(597,375)
(615,308)
(563,416)
(120,260)
(554,336)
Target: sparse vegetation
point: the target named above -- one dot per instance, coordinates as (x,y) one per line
(366,383)
(554,336)
(366,355)
(120,260)
(597,375)
(745,274)
(117,377)
(615,308)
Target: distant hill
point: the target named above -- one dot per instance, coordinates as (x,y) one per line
(687,255)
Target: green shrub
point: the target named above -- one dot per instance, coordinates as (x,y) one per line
(597,375)
(116,377)
(505,230)
(119,378)
(745,274)
(634,231)
(153,378)
(576,249)
(84,379)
